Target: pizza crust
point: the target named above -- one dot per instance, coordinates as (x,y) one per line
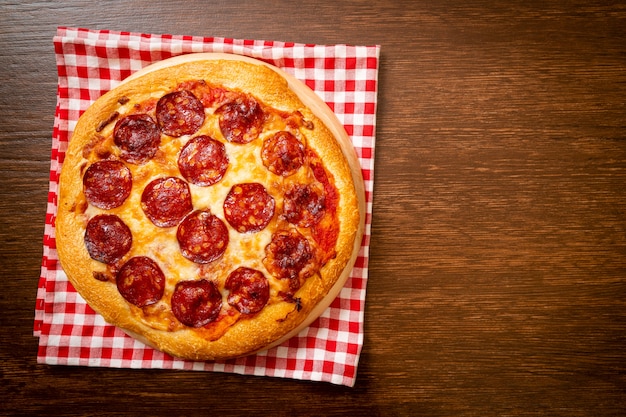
(276,322)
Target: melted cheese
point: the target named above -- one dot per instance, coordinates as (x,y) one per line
(160,244)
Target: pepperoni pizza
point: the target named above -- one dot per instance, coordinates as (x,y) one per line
(210,206)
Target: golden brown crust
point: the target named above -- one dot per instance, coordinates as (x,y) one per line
(278,320)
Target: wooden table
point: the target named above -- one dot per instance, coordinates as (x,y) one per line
(497,278)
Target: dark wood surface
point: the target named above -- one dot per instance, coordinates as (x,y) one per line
(498,252)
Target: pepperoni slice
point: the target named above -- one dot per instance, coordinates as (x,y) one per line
(248,207)
(304,205)
(138,138)
(196,303)
(282,153)
(202,237)
(166,201)
(180,113)
(288,254)
(203,161)
(107,184)
(241,120)
(107,238)
(248,289)
(140,281)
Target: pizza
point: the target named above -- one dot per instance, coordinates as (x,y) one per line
(210,206)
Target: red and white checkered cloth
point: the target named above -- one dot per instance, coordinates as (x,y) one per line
(92,62)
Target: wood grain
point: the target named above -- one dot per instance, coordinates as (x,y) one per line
(498,252)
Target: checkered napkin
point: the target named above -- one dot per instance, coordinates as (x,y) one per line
(92,62)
